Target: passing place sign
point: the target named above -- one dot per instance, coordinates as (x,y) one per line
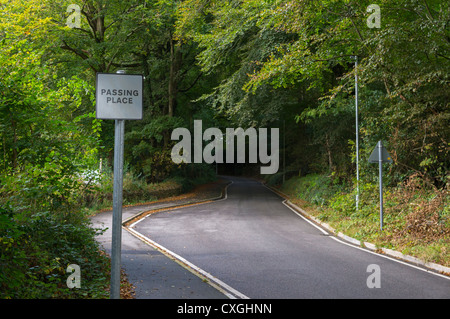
(119,96)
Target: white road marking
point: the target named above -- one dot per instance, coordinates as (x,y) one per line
(357,247)
(227,290)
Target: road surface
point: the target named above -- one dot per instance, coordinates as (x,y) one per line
(260,248)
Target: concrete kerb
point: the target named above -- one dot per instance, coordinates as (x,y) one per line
(372,247)
(143,213)
(140,215)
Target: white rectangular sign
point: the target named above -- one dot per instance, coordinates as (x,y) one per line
(119,96)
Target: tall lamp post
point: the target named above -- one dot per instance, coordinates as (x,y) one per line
(357,131)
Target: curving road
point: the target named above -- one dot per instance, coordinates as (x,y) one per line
(255,244)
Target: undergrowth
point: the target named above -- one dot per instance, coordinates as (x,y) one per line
(45,227)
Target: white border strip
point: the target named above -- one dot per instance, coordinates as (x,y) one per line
(364,249)
(306,219)
(354,242)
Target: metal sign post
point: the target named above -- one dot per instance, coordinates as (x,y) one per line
(380,155)
(118,97)
(380,178)
(116,245)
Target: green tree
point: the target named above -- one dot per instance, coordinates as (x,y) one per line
(46,144)
(287,45)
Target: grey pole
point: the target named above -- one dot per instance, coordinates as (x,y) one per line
(116,246)
(380,163)
(284,151)
(357,133)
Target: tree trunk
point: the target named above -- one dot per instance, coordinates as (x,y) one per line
(328,148)
(14,145)
(175,62)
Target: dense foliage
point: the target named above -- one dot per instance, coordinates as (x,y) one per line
(263,63)
(281,60)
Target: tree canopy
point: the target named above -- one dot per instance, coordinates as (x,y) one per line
(237,63)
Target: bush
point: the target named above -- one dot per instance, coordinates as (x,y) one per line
(36,250)
(190,175)
(43,229)
(314,188)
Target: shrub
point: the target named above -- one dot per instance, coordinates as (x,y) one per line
(36,250)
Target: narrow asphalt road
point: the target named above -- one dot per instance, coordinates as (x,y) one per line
(252,242)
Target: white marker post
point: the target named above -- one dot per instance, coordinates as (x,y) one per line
(119,97)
